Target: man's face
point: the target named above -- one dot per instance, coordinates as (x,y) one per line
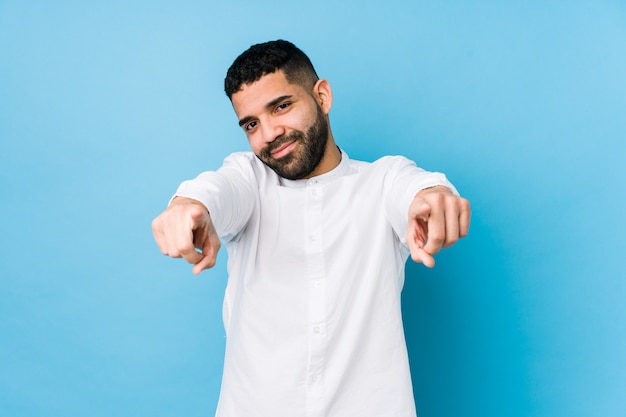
(286,127)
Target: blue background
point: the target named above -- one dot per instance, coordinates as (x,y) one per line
(106,106)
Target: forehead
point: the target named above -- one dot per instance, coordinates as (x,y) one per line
(254,97)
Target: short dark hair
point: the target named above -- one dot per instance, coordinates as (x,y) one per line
(266,58)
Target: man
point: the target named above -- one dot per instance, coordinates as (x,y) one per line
(317,245)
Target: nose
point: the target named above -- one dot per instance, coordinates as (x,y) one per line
(272,130)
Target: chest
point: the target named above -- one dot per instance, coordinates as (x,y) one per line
(320,217)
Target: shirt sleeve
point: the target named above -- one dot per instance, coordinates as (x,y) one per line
(229,194)
(403,180)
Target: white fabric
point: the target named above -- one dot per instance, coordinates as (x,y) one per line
(312,305)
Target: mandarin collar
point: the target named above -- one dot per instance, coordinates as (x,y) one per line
(339,171)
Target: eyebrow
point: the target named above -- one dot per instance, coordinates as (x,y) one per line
(269,105)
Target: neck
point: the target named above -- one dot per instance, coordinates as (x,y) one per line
(332,158)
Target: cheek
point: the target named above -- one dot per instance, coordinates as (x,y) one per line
(256,144)
(299,120)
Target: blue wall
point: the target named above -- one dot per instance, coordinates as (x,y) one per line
(105,106)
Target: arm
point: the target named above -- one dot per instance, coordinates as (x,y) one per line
(437,219)
(228,194)
(184,226)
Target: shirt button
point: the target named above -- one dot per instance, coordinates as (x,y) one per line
(314,193)
(316,283)
(317,329)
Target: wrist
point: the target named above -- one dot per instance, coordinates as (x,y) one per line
(178,200)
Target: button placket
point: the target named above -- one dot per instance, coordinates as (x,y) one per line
(316,299)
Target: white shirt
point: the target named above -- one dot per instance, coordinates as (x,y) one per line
(312,305)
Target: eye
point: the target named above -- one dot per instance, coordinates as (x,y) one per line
(250,126)
(282,106)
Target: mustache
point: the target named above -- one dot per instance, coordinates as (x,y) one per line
(280,141)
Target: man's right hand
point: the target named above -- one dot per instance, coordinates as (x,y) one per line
(184,227)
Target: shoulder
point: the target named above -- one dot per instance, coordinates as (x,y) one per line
(239,158)
(385,165)
(250,166)
(390,161)
(242,160)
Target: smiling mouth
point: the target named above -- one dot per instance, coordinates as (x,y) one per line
(283,149)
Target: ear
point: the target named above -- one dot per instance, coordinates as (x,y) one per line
(323,95)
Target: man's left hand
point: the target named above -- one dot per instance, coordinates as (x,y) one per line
(437,219)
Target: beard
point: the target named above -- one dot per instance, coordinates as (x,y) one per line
(305,157)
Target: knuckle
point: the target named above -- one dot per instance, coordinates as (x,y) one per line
(174,253)
(186,251)
(434,198)
(436,238)
(156,225)
(452,203)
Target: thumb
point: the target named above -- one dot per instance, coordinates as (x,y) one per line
(209,244)
(205,239)
(416,240)
(197,217)
(417,232)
